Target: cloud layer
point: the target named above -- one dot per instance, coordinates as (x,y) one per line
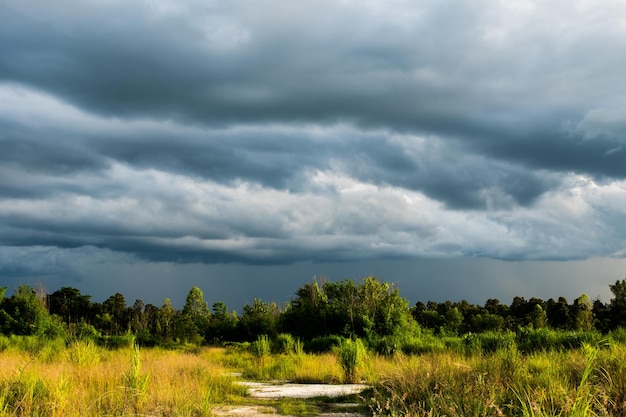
(271,133)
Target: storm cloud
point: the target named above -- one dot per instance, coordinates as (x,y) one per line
(273,133)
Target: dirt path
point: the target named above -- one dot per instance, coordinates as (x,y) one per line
(285,390)
(270,391)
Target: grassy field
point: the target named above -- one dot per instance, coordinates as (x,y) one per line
(54,378)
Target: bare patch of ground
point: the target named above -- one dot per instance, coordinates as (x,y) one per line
(278,391)
(266,411)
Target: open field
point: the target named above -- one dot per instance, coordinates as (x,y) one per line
(82,379)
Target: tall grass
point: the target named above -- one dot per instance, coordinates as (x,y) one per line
(351,356)
(588,381)
(469,376)
(120,382)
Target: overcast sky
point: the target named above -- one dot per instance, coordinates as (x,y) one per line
(462,149)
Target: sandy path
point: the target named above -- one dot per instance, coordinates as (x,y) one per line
(270,391)
(275,391)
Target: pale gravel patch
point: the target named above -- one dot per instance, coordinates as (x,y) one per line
(275,391)
(268,391)
(263,411)
(244,411)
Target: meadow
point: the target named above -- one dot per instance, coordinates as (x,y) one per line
(481,375)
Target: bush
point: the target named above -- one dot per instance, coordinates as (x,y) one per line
(618,335)
(83,353)
(488,342)
(323,344)
(117,342)
(284,343)
(387,345)
(261,347)
(82,331)
(426,343)
(534,340)
(351,353)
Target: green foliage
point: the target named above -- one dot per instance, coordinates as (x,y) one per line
(618,303)
(581,314)
(587,381)
(321,314)
(83,353)
(25,395)
(69,304)
(222,325)
(371,309)
(262,347)
(425,343)
(259,318)
(115,318)
(284,343)
(323,344)
(298,347)
(24,313)
(193,322)
(618,335)
(351,355)
(135,383)
(117,342)
(533,340)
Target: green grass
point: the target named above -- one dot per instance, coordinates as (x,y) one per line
(486,375)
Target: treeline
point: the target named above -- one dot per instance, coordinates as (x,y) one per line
(321,311)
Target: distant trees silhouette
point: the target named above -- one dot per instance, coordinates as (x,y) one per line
(371,309)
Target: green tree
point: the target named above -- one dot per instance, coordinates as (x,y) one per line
(26,314)
(485,321)
(195,316)
(115,319)
(307,315)
(138,319)
(385,312)
(558,313)
(260,318)
(582,313)
(165,320)
(223,324)
(537,318)
(618,304)
(371,309)
(69,304)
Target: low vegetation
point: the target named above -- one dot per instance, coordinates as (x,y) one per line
(82,379)
(61,365)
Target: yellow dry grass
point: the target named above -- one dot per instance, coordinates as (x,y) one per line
(177,384)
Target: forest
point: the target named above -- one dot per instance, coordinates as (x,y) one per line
(320,313)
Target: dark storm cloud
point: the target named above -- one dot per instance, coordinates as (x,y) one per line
(447,69)
(273,132)
(277,157)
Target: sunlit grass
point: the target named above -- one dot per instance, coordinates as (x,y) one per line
(123,382)
(589,381)
(87,380)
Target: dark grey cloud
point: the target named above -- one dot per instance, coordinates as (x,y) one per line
(447,68)
(274,134)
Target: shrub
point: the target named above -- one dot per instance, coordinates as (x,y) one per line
(82,330)
(387,345)
(351,353)
(26,395)
(261,348)
(135,382)
(284,343)
(83,353)
(488,342)
(323,344)
(117,342)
